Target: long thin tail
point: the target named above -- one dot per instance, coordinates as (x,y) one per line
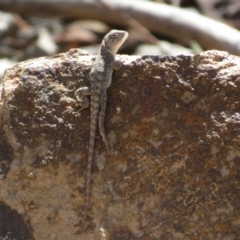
(93,126)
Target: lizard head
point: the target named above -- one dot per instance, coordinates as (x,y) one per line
(114,39)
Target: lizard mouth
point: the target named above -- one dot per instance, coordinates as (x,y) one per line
(125,37)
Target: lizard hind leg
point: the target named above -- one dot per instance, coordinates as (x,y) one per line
(101,118)
(81,94)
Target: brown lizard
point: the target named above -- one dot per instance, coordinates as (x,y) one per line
(100,79)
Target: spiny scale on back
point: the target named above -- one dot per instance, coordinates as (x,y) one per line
(101,78)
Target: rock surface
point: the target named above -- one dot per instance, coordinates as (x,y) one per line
(173,124)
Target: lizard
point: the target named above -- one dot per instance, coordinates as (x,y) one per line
(100,79)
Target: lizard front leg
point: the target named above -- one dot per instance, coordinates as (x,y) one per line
(116,64)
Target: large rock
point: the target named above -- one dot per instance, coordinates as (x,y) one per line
(173,124)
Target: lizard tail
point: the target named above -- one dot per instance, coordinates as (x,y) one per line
(93,127)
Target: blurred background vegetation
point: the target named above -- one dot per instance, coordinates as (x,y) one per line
(35,28)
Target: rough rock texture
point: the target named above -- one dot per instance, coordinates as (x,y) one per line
(174,127)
